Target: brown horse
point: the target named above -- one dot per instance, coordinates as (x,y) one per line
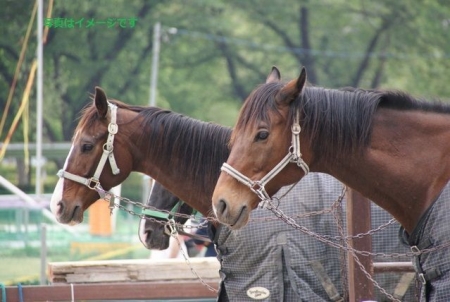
(112,139)
(387,145)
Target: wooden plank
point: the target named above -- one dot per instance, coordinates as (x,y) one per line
(113,291)
(359,221)
(134,270)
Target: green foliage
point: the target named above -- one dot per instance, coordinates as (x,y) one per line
(213,53)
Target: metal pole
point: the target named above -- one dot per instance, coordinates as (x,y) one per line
(153,88)
(43,275)
(40,67)
(155,62)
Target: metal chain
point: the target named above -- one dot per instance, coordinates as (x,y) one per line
(339,222)
(143,216)
(290,221)
(174,234)
(323,238)
(329,210)
(173,226)
(343,246)
(263,219)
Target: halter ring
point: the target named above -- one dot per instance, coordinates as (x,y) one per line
(93,183)
(296,129)
(113,128)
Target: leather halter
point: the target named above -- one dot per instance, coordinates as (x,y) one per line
(93,183)
(294,156)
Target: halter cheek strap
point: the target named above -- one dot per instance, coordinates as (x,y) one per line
(94,182)
(294,156)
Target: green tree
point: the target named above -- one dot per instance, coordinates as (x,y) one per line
(213,53)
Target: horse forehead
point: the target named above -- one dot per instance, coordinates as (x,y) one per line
(241,137)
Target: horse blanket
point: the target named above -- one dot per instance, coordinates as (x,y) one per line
(432,268)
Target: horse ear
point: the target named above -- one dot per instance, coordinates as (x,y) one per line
(101,102)
(274,76)
(291,90)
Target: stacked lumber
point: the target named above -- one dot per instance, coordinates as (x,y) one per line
(142,270)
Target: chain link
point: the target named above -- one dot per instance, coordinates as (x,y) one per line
(148,207)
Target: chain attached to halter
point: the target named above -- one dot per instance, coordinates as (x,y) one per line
(168,220)
(294,156)
(93,183)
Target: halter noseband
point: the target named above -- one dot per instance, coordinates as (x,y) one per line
(93,183)
(294,156)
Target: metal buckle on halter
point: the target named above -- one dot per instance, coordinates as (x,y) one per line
(293,155)
(296,129)
(258,188)
(108,147)
(93,183)
(113,128)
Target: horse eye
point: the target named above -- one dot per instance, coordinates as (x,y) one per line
(262,135)
(87,147)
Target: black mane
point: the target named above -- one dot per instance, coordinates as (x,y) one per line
(179,135)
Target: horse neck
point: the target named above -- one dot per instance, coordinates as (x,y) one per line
(406,165)
(195,190)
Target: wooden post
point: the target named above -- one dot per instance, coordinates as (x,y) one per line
(359,221)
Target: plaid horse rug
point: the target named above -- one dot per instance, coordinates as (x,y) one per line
(430,242)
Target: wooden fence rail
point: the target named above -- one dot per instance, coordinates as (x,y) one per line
(112,291)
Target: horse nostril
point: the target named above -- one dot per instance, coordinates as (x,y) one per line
(222,206)
(60,206)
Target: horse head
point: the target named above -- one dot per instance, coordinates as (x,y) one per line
(98,160)
(260,148)
(154,230)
